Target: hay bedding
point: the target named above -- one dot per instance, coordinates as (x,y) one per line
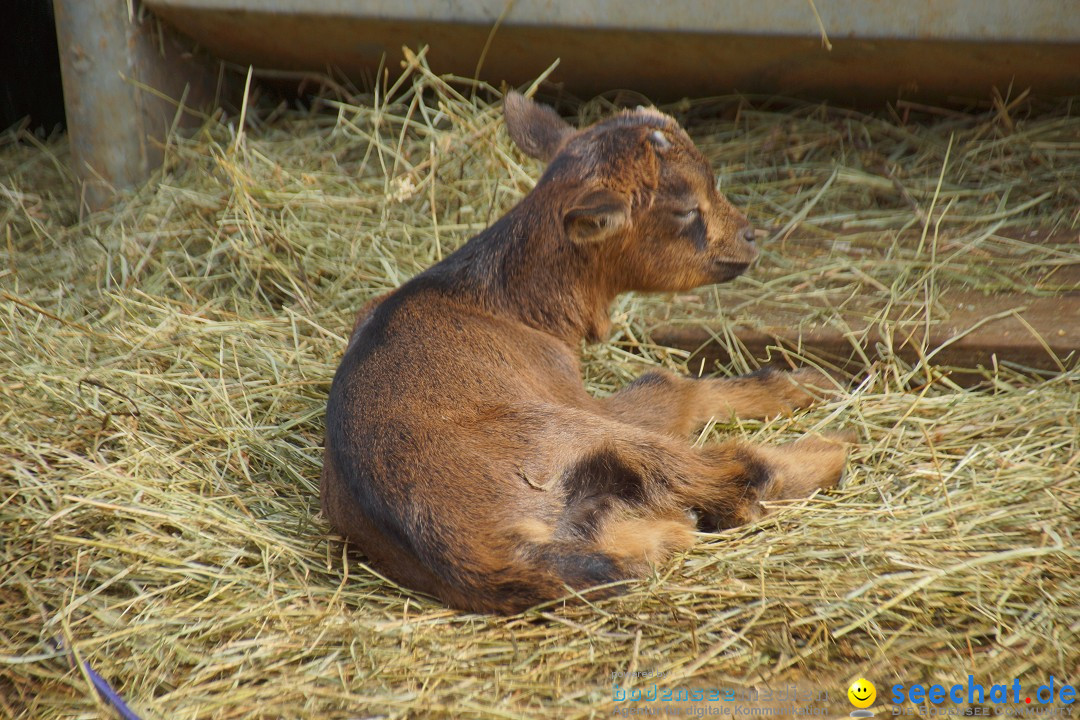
(164,369)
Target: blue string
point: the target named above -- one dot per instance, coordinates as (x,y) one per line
(109,695)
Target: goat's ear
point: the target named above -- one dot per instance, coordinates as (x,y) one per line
(536,129)
(596,215)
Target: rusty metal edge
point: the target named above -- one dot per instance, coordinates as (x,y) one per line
(983,20)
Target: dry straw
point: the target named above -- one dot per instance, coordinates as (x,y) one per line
(164,369)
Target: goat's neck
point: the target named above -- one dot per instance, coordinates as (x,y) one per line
(535,273)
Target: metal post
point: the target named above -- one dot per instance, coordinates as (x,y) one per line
(110,51)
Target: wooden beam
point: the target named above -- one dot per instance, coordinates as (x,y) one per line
(981,331)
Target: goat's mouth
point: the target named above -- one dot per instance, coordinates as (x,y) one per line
(722,270)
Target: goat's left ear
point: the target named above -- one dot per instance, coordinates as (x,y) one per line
(536,129)
(596,215)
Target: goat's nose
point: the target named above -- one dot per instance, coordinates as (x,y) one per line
(748,234)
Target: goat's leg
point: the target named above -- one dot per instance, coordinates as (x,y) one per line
(725,483)
(675,405)
(738,477)
(631,496)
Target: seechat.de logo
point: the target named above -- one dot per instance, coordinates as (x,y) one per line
(862,694)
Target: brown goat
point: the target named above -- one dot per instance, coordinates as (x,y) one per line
(464,456)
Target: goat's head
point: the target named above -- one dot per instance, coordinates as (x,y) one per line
(636,190)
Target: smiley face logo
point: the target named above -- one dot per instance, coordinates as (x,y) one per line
(862,693)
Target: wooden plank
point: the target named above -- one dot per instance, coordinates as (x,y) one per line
(1038,333)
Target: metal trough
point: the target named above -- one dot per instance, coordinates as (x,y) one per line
(928,49)
(852,51)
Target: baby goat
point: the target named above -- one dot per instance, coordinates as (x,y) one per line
(464,456)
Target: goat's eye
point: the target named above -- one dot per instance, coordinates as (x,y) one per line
(687,215)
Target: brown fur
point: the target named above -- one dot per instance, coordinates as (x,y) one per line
(464,456)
